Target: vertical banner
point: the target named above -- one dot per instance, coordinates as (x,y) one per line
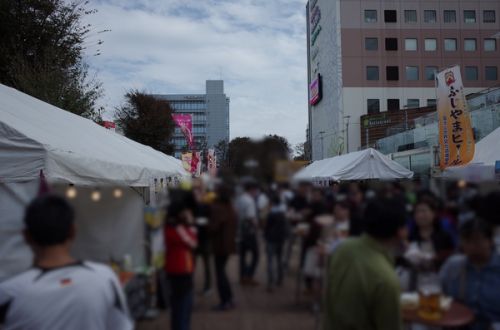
(187,158)
(185,123)
(211,163)
(195,162)
(456,138)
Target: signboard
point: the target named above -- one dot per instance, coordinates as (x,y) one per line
(185,123)
(109,125)
(315,91)
(456,138)
(187,158)
(211,163)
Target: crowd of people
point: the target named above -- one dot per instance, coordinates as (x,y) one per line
(361,245)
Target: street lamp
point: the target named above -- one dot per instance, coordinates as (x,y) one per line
(321,133)
(347,133)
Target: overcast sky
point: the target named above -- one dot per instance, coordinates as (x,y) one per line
(258,47)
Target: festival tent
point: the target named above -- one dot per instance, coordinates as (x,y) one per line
(482,166)
(36,137)
(360,165)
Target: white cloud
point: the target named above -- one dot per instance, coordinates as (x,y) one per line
(172,46)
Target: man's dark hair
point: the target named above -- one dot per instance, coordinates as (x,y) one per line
(488,208)
(476,226)
(384,217)
(251,185)
(49,220)
(180,200)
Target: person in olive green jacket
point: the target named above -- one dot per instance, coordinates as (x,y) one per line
(362,286)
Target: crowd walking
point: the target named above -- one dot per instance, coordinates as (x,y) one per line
(358,248)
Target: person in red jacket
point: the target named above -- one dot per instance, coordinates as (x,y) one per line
(181,240)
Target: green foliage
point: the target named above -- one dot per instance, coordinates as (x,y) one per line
(147,120)
(257,158)
(41,53)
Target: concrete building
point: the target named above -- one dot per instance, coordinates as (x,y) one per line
(371,56)
(210,113)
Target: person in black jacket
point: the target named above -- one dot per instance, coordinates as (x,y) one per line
(275,233)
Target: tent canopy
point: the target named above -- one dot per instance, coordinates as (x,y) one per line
(482,166)
(35,136)
(359,165)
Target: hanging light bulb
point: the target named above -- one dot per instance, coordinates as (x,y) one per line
(95,195)
(462,184)
(71,192)
(118,193)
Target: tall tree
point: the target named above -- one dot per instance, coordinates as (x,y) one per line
(221,151)
(257,158)
(41,53)
(147,120)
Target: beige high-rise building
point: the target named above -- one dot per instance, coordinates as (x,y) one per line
(370,56)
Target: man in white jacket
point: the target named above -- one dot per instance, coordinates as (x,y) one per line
(60,292)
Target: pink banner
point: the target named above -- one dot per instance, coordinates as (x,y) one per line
(185,123)
(212,163)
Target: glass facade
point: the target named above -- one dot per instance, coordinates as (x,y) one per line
(197,109)
(485,117)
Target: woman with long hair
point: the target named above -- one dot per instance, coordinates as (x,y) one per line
(181,240)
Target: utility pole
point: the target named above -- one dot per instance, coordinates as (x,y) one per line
(322,147)
(347,133)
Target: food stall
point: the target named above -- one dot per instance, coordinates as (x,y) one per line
(108,178)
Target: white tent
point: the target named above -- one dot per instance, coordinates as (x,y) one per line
(359,165)
(482,166)
(37,136)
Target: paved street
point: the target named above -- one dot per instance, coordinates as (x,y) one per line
(256,308)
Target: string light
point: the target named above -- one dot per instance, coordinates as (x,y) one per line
(71,192)
(118,193)
(95,196)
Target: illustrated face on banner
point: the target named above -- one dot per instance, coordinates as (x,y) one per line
(456,138)
(185,123)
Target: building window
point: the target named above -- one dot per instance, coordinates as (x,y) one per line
(371,43)
(391,44)
(430,45)
(450,16)
(489,16)
(450,45)
(370,16)
(491,73)
(410,16)
(392,73)
(413,103)
(393,105)
(430,72)
(390,16)
(373,106)
(431,102)
(490,45)
(470,45)
(430,16)
(412,73)
(411,44)
(372,73)
(469,16)
(471,73)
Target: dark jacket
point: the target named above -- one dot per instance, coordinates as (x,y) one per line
(223,225)
(276,227)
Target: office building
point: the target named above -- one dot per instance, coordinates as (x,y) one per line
(372,56)
(210,115)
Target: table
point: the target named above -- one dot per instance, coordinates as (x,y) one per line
(457,316)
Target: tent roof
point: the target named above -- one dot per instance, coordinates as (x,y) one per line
(482,166)
(35,136)
(487,150)
(359,165)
